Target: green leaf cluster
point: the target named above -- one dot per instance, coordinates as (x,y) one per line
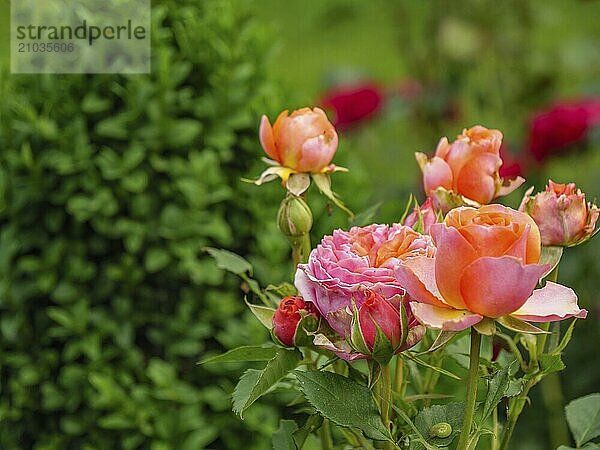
(111,186)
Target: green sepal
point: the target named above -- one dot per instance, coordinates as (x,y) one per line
(518,325)
(442,339)
(550,255)
(382,347)
(262,313)
(305,330)
(356,338)
(487,327)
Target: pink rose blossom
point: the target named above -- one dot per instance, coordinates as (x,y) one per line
(348,266)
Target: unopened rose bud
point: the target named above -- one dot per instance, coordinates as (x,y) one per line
(304,141)
(294,217)
(562,214)
(380,313)
(422,217)
(287,319)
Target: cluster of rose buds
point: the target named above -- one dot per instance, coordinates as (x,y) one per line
(457,261)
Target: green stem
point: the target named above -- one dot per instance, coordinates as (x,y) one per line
(472,380)
(495,429)
(554,402)
(386,398)
(325,432)
(300,249)
(514,411)
(399,376)
(551,388)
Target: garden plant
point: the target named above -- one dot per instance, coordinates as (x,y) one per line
(364,331)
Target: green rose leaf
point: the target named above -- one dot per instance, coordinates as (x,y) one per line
(588,446)
(246,353)
(229,261)
(551,363)
(451,414)
(343,401)
(254,383)
(283,438)
(583,417)
(497,388)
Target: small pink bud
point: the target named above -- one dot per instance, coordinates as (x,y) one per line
(424,214)
(375,312)
(562,214)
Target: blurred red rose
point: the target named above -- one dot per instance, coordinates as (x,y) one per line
(353,104)
(512,165)
(561,125)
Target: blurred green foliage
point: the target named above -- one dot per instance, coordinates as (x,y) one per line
(110,187)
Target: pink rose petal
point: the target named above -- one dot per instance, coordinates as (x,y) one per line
(417,275)
(550,303)
(447,319)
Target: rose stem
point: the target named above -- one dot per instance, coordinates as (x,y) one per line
(472,380)
(554,404)
(551,388)
(300,249)
(386,398)
(326,441)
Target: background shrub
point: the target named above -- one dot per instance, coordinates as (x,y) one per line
(110,186)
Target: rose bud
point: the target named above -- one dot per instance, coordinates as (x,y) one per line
(422,217)
(286,319)
(468,167)
(294,217)
(562,214)
(377,312)
(304,141)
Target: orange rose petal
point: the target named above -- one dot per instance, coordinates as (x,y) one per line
(494,287)
(490,240)
(436,173)
(476,179)
(454,253)
(267,141)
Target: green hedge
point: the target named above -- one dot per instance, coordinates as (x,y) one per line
(110,186)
